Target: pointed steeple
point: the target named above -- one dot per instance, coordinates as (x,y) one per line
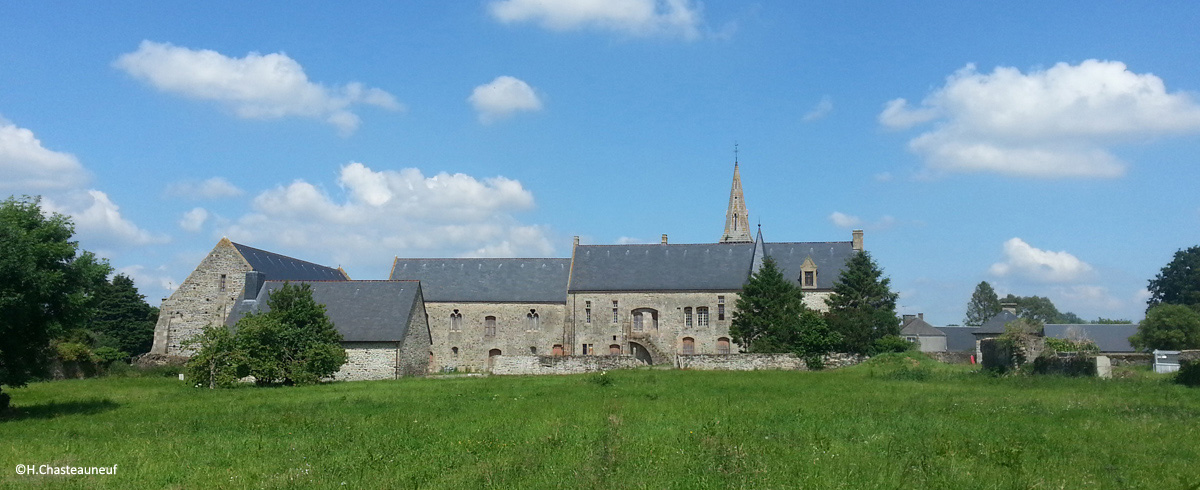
(737,225)
(759,253)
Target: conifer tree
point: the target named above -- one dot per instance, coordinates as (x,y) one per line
(123,317)
(984,305)
(862,307)
(767,313)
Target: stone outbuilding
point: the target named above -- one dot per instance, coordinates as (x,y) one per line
(383,323)
(915,329)
(1109,338)
(212,290)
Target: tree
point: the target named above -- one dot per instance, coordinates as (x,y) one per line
(123,319)
(46,283)
(862,307)
(217,362)
(983,306)
(814,339)
(767,314)
(1178,283)
(1040,309)
(1111,321)
(292,343)
(1168,327)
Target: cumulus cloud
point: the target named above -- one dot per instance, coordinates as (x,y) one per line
(1024,260)
(1053,123)
(667,18)
(256,86)
(212,188)
(27,166)
(502,98)
(843,220)
(194,220)
(1089,298)
(145,278)
(822,109)
(385,213)
(98,218)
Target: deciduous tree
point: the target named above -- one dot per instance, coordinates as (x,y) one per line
(1178,283)
(983,306)
(1168,327)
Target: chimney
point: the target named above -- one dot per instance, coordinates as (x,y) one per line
(664,239)
(1009,307)
(576,241)
(907,318)
(856,242)
(921,316)
(254,284)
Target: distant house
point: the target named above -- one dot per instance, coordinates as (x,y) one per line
(959,339)
(928,338)
(994,327)
(385,331)
(1112,338)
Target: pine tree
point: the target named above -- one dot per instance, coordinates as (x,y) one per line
(123,317)
(862,307)
(767,313)
(983,306)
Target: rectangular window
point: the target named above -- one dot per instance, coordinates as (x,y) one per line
(687,316)
(809,278)
(588,350)
(702,316)
(489,326)
(221,286)
(616,312)
(587,312)
(721,308)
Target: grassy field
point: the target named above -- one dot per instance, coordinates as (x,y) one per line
(889,424)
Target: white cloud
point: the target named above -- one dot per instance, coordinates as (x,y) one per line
(194,220)
(842,220)
(822,109)
(255,87)
(1052,123)
(1040,265)
(1088,298)
(503,97)
(212,188)
(668,18)
(27,166)
(99,219)
(148,280)
(386,213)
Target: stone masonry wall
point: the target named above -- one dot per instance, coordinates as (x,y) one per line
(413,358)
(540,365)
(756,362)
(602,331)
(368,361)
(513,335)
(200,299)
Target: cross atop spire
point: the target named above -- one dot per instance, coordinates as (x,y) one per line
(737,225)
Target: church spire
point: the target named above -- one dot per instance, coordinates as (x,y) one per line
(737,225)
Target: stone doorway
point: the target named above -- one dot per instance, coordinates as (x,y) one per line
(640,353)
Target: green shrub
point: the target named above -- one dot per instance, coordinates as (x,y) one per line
(74,352)
(1076,366)
(108,355)
(1189,373)
(892,343)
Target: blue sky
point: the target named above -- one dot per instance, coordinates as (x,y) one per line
(1047,149)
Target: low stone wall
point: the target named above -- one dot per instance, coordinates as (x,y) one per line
(1131,359)
(756,362)
(951,357)
(537,365)
(368,361)
(150,359)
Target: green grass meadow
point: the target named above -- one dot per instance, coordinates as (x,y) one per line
(894,423)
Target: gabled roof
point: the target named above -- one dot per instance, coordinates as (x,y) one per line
(487,280)
(959,339)
(283,268)
(995,324)
(830,258)
(674,267)
(362,311)
(919,327)
(1108,337)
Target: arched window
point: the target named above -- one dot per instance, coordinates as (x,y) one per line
(689,346)
(723,345)
(614,350)
(455,321)
(532,322)
(489,326)
(492,356)
(533,350)
(454,352)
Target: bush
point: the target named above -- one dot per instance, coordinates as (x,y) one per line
(109,355)
(892,343)
(1189,373)
(74,352)
(1076,366)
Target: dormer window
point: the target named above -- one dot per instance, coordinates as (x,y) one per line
(808,274)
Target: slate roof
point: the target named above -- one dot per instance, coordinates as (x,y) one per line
(920,327)
(283,268)
(362,311)
(995,324)
(829,257)
(1109,338)
(487,280)
(657,267)
(959,339)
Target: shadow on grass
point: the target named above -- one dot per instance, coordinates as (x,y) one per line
(57,409)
